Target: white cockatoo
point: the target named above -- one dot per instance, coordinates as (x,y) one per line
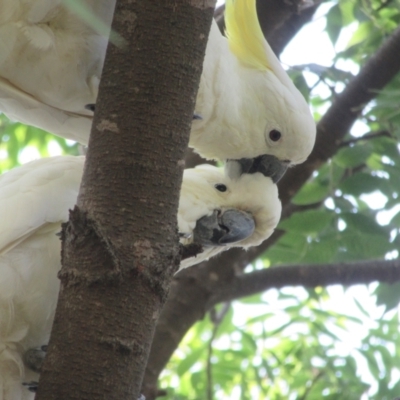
(214,211)
(247,106)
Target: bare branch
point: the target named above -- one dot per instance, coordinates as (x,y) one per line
(367,136)
(281,36)
(362,272)
(216,318)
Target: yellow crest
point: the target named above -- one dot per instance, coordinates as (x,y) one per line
(244,33)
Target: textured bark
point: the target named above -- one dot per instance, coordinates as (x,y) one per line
(191,292)
(120,247)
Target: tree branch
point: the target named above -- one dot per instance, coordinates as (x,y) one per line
(310,276)
(216,319)
(279,37)
(367,136)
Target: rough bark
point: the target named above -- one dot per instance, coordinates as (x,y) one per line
(120,247)
(191,292)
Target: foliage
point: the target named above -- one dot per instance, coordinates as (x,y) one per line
(298,344)
(19,143)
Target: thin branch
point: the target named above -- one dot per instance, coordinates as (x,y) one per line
(216,319)
(311,276)
(282,35)
(383,5)
(313,383)
(367,136)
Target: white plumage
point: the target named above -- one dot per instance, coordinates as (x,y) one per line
(50,64)
(51,61)
(34,201)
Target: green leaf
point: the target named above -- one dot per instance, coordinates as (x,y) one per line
(311,193)
(320,252)
(388,295)
(360,183)
(395,221)
(364,224)
(307,222)
(334,23)
(353,156)
(346,8)
(362,33)
(190,360)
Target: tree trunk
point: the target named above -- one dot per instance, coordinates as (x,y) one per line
(120,247)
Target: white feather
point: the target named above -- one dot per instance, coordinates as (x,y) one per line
(51,62)
(34,201)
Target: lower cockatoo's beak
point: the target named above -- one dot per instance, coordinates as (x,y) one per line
(222,228)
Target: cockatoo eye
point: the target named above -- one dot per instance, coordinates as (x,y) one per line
(221,187)
(275,135)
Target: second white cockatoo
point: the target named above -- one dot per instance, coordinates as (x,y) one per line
(247,106)
(214,211)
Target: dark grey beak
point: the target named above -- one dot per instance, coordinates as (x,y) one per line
(220,229)
(268,165)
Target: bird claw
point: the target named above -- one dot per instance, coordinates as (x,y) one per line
(33,358)
(183,235)
(31,386)
(197,116)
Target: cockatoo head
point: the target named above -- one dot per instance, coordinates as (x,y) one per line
(279,121)
(215,210)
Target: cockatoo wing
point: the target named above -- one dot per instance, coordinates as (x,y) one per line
(22,107)
(51,58)
(34,201)
(39,195)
